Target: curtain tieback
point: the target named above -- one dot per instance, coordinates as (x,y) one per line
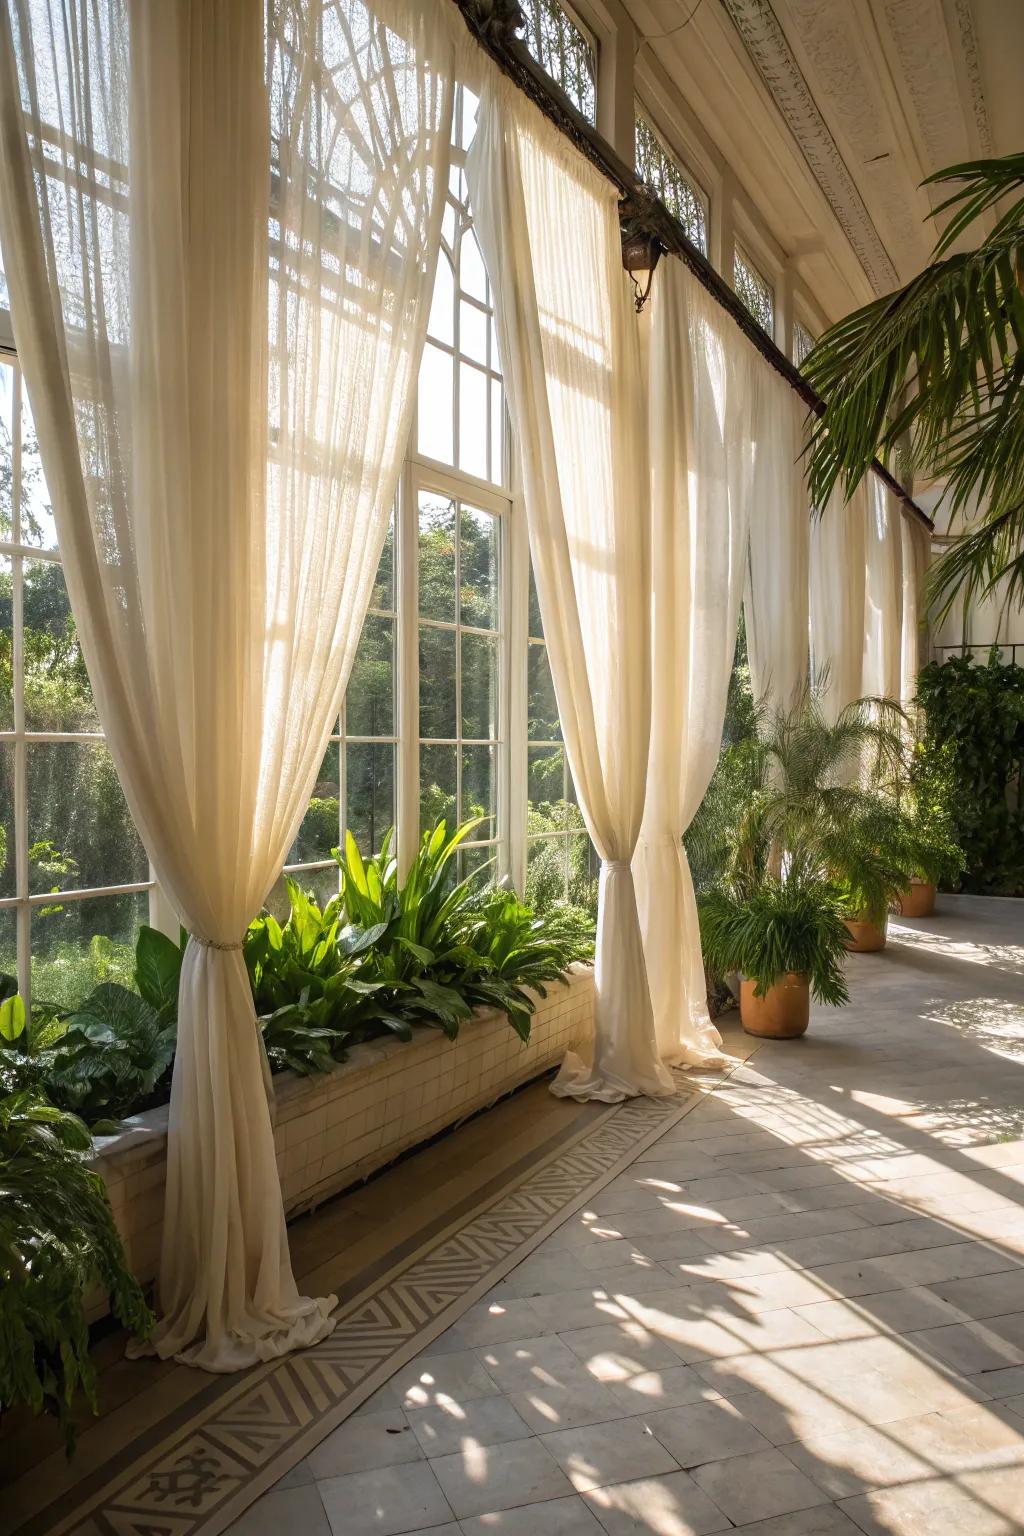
(611,864)
(212,943)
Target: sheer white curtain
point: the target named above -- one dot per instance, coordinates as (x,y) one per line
(703,383)
(883,606)
(775,603)
(916,550)
(219,252)
(549,230)
(838,555)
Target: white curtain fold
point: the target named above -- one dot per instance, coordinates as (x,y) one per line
(703,389)
(776,598)
(568,340)
(916,551)
(838,592)
(220,247)
(883,604)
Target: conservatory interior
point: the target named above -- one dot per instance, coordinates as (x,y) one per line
(511,757)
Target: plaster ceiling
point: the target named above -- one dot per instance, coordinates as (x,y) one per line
(831,112)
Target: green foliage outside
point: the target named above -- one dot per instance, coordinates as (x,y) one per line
(972,758)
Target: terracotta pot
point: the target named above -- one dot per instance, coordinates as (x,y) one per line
(865,937)
(917,901)
(782,1013)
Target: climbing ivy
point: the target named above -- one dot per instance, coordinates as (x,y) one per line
(976,713)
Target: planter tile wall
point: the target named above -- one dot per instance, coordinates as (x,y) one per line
(336,1128)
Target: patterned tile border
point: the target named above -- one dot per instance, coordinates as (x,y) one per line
(194,1478)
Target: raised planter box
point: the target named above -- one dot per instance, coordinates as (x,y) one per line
(334,1129)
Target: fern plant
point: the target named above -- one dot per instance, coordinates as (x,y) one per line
(57,1237)
(793,924)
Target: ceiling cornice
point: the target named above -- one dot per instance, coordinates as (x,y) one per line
(972,65)
(769,51)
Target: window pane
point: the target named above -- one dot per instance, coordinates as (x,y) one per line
(472,272)
(321,884)
(58,696)
(370,792)
(803,342)
(436,392)
(547,810)
(321,826)
(563,52)
(473,424)
(37,525)
(8,847)
(437,557)
(546,877)
(482,862)
(755,292)
(79,830)
(543,723)
(369,700)
(383,595)
(584,870)
(441,321)
(478,790)
(473,332)
(437,682)
(9,942)
(662,173)
(479,687)
(438,785)
(478,568)
(78,944)
(535,625)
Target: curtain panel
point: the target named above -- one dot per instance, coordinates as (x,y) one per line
(704,379)
(220,246)
(883,603)
(776,600)
(837,583)
(916,549)
(567,336)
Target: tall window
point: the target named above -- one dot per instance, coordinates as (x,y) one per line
(561,862)
(658,168)
(74,879)
(563,49)
(754,290)
(803,341)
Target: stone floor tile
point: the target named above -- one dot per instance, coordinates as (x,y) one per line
(569,1310)
(614,1351)
(857,1458)
(557,1517)
(381,1439)
(449,1426)
(970,1348)
(985,1295)
(491,1322)
(284,1512)
(482,1480)
(459,1374)
(670,1505)
(822,1520)
(598,1454)
(919,1509)
(549,1408)
(968,1439)
(671,1387)
(387,1502)
(701,1432)
(748,1488)
(521,1364)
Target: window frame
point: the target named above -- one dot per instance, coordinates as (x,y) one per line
(641,114)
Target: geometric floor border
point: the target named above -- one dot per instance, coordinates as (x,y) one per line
(197,1479)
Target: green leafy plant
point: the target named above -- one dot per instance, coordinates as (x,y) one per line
(939,365)
(971,756)
(113,1056)
(793,924)
(57,1237)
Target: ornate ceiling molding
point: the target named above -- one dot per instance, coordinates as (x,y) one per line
(768,49)
(969,43)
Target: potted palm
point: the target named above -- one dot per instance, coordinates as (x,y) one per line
(786,939)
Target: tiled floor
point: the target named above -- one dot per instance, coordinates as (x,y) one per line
(800,1313)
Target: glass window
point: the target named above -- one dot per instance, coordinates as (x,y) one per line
(459,666)
(564,51)
(803,341)
(74,876)
(561,861)
(660,171)
(754,290)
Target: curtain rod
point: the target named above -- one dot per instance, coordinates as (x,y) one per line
(494,23)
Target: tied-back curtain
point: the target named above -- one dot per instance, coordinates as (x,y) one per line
(883,604)
(775,604)
(838,556)
(549,230)
(916,549)
(220,244)
(703,383)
